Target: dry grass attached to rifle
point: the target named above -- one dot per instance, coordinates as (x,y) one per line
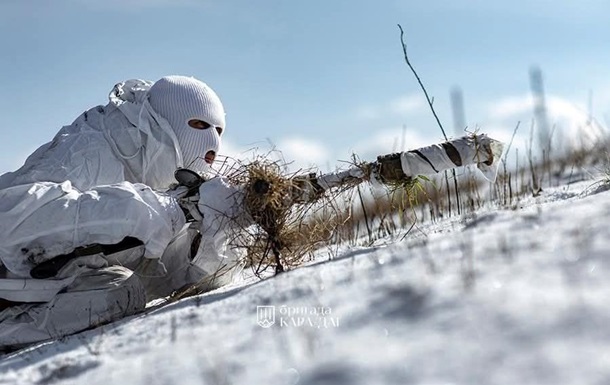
(286,232)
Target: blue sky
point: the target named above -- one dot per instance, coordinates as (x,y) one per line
(318,79)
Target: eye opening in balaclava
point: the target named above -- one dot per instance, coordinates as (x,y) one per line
(199,124)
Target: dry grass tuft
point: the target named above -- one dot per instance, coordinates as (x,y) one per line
(287,228)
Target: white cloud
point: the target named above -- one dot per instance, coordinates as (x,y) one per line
(557,107)
(299,154)
(510,106)
(403,105)
(569,121)
(390,140)
(407,104)
(304,153)
(499,118)
(229,149)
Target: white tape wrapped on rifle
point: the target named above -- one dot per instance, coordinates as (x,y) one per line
(472,149)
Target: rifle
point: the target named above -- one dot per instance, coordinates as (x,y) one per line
(402,167)
(270,197)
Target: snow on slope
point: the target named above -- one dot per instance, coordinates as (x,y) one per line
(503,297)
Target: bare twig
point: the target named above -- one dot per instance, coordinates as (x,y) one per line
(430,103)
(404,50)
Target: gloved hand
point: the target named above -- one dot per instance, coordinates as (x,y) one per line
(221,205)
(223,212)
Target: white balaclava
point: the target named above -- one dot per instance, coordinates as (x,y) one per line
(179,99)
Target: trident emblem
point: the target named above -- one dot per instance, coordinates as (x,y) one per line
(265,316)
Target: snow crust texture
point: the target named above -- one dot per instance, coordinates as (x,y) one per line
(505,296)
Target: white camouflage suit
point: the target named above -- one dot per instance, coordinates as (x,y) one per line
(100,180)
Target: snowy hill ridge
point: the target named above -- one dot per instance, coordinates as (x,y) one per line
(502,297)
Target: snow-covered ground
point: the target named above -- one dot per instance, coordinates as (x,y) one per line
(506,296)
